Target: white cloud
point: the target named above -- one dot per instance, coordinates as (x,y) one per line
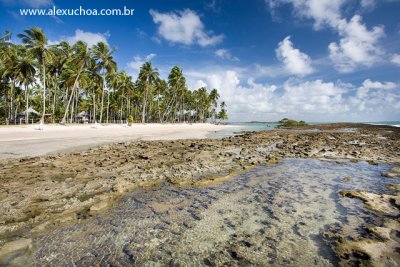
(295,61)
(29,3)
(313,97)
(396,59)
(91,38)
(198,84)
(225,54)
(375,96)
(213,6)
(137,62)
(313,100)
(269,71)
(368,3)
(358,46)
(321,11)
(368,84)
(184,27)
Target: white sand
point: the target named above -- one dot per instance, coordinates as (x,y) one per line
(26,140)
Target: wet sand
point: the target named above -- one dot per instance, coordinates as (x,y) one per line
(28,141)
(43,193)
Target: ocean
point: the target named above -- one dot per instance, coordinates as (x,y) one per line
(244,127)
(265,126)
(391,123)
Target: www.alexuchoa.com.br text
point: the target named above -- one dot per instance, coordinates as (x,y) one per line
(76,11)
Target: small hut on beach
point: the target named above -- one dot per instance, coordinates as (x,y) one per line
(21,117)
(82,117)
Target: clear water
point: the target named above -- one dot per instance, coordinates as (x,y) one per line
(265,126)
(243,126)
(271,215)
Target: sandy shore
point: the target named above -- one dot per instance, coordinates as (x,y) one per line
(27,141)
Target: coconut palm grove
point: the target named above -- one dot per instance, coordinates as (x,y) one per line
(61,83)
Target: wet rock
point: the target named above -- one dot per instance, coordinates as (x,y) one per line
(386,204)
(14,249)
(390,175)
(393,187)
(99,206)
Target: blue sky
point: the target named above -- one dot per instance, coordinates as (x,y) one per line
(318,60)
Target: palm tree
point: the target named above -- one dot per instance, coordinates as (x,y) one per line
(74,77)
(106,65)
(177,83)
(124,85)
(214,96)
(9,56)
(204,102)
(78,62)
(222,114)
(61,55)
(36,42)
(6,37)
(95,83)
(26,75)
(162,88)
(147,76)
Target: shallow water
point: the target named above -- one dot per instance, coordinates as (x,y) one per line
(271,215)
(243,127)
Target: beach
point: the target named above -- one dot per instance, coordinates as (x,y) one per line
(28,141)
(48,199)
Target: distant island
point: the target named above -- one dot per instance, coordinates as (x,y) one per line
(286,123)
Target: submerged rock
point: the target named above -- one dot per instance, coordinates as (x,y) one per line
(390,174)
(386,204)
(14,249)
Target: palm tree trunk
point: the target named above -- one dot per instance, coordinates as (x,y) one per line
(54,102)
(108,104)
(168,109)
(27,105)
(150,109)
(94,106)
(158,106)
(102,100)
(71,99)
(12,100)
(44,90)
(72,106)
(144,104)
(72,93)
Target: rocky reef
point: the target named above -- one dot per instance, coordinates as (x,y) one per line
(376,241)
(40,193)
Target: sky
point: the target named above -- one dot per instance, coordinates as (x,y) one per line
(313,60)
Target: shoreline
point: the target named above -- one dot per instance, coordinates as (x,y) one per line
(26,141)
(44,192)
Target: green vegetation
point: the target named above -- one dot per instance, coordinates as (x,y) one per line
(223,115)
(290,123)
(60,81)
